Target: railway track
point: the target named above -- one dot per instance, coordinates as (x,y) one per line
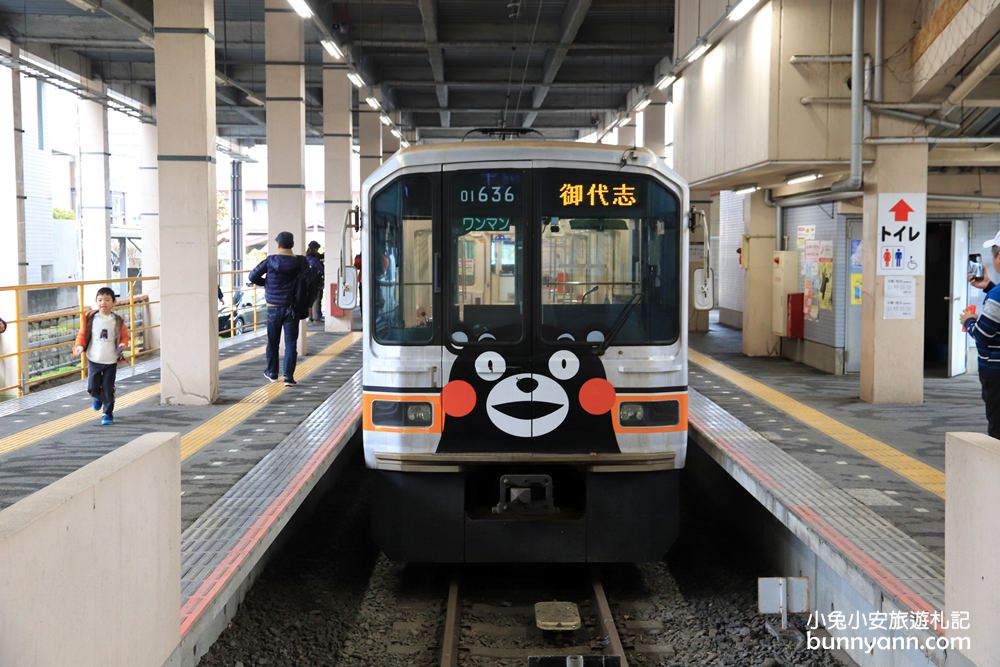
(477,629)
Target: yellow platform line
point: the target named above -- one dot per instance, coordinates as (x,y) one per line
(204,434)
(31,435)
(923,475)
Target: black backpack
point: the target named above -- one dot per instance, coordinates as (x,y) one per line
(305,289)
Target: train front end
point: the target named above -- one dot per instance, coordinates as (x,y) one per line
(525,369)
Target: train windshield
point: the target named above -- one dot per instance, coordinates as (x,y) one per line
(610,258)
(485,215)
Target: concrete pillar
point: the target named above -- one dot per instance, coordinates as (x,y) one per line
(759,220)
(337,133)
(284,51)
(95,197)
(149,215)
(654,123)
(370,138)
(13,262)
(892,351)
(185,93)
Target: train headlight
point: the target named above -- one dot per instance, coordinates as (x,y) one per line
(418,414)
(402,414)
(631,413)
(649,413)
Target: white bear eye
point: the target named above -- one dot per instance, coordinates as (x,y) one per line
(490,366)
(563,365)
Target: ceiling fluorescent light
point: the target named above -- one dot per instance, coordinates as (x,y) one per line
(742,9)
(642,105)
(83,4)
(396,133)
(252,99)
(665,82)
(746,189)
(624,121)
(356,79)
(698,51)
(803,178)
(373,103)
(332,48)
(148,39)
(403,143)
(385,120)
(301,8)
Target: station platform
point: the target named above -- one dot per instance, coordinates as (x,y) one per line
(247,462)
(860,486)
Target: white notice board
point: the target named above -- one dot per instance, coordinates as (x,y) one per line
(900,298)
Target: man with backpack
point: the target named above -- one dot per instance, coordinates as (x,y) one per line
(289,289)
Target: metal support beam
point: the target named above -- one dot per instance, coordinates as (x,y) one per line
(428,14)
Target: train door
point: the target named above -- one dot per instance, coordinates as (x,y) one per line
(487,358)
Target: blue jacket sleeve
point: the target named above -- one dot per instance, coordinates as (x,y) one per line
(257,275)
(985,328)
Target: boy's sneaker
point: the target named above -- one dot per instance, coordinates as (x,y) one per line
(270,378)
(98,404)
(289,382)
(107,420)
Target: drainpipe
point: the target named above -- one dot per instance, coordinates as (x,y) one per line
(975,199)
(969,83)
(879,18)
(811,198)
(857,100)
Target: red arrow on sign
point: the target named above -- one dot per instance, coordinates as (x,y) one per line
(902,211)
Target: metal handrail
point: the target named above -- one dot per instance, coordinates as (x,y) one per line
(21,322)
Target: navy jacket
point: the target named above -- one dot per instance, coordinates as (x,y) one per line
(276,274)
(316,263)
(984,330)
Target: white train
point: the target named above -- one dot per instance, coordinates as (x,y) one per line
(525,351)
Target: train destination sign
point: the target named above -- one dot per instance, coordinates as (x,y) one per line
(577,193)
(486,201)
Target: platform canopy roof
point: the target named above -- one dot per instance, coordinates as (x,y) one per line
(563,67)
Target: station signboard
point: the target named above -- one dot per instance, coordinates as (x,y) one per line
(902,233)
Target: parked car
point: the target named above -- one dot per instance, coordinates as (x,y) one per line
(243,311)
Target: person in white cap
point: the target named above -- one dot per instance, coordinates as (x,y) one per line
(984,330)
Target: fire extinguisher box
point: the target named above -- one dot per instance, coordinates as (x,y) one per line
(334,309)
(796,317)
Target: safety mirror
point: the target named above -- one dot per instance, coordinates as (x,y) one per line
(702,280)
(347,287)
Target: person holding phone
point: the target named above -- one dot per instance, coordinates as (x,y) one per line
(984,330)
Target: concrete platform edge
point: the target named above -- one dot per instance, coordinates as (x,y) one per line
(804,552)
(214,619)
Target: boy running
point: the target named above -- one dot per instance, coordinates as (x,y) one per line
(103,335)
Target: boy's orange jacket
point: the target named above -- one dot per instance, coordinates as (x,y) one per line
(86,330)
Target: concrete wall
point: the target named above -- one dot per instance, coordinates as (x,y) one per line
(722,102)
(90,565)
(972,570)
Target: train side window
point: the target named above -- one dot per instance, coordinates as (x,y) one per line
(402,283)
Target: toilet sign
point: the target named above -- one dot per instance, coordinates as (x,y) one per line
(902,233)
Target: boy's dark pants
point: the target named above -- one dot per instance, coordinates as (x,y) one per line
(101,384)
(991,396)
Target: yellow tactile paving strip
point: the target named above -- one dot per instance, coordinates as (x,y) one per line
(923,475)
(31,435)
(197,438)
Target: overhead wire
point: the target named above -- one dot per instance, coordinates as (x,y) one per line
(527,57)
(513,50)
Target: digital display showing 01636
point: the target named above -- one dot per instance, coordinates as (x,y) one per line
(482,191)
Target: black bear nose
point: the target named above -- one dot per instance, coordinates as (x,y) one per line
(527,385)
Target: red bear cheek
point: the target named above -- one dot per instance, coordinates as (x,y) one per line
(458,398)
(597,396)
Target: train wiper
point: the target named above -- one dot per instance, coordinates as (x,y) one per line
(619,323)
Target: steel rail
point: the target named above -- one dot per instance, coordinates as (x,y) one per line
(607,620)
(452,625)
